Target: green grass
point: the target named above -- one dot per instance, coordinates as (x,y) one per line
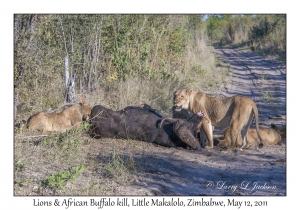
(58,181)
(20,164)
(267,97)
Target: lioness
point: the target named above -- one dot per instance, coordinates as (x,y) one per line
(269,137)
(68,118)
(280,117)
(235,112)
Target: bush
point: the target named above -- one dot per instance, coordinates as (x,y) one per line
(107,51)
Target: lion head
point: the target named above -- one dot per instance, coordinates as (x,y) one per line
(86,110)
(182,99)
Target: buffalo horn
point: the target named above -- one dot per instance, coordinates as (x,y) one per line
(170,119)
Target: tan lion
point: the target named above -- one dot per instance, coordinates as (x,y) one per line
(281,129)
(269,136)
(58,122)
(280,117)
(235,112)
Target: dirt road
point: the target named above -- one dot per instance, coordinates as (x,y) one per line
(175,171)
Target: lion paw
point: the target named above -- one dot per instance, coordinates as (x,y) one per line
(228,151)
(208,148)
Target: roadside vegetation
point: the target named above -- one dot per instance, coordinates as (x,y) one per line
(136,57)
(117,60)
(264,34)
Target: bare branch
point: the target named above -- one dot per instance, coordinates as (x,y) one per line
(63,33)
(65,104)
(23,137)
(33,19)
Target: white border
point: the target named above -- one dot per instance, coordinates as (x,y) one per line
(8,201)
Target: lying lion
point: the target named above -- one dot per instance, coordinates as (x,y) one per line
(281,129)
(58,122)
(280,117)
(269,136)
(236,112)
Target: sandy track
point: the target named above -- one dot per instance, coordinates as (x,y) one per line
(258,78)
(175,171)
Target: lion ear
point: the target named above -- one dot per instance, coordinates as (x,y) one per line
(175,92)
(189,91)
(82,101)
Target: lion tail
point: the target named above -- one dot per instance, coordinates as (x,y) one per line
(255,111)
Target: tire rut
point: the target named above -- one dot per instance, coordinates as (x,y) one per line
(258,78)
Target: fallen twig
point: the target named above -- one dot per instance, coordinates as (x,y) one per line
(66,104)
(22,137)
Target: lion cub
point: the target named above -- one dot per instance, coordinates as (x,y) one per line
(59,122)
(269,136)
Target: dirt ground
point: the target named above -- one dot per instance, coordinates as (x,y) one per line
(176,171)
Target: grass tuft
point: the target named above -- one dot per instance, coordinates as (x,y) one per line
(58,181)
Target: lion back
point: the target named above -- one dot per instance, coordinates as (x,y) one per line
(272,137)
(37,121)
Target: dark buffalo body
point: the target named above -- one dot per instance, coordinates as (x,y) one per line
(185,114)
(141,124)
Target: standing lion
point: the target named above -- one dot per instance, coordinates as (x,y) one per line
(236,112)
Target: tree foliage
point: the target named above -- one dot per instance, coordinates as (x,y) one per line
(265,33)
(102,49)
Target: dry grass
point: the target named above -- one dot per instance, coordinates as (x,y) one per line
(108,163)
(158,93)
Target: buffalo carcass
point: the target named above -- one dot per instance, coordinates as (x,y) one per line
(144,124)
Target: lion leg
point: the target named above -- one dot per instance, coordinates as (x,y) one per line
(235,131)
(239,126)
(203,138)
(244,132)
(244,139)
(227,141)
(208,130)
(233,143)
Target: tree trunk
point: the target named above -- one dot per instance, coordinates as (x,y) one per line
(69,82)
(33,19)
(71,96)
(80,85)
(66,71)
(90,73)
(16,98)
